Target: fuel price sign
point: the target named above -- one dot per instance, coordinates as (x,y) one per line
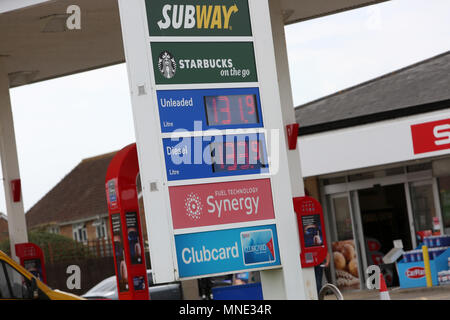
(215,156)
(198,110)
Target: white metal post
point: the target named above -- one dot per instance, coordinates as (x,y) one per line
(10,166)
(291,282)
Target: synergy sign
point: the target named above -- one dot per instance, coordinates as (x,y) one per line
(198,18)
(221,203)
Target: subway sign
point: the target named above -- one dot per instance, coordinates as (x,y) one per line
(198,18)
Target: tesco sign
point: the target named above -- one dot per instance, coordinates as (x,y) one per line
(431,136)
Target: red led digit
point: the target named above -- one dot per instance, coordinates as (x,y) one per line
(230,155)
(219,155)
(250,101)
(215,110)
(242,154)
(242,111)
(254,145)
(226,109)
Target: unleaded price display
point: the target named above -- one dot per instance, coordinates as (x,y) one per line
(231,109)
(203,109)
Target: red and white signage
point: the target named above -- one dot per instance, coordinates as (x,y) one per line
(221,203)
(415,272)
(431,136)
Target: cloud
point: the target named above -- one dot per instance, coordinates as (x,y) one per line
(342,50)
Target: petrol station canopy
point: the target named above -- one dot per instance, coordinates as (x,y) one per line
(36,45)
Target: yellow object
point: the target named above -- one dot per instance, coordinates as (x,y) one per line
(23,285)
(426,262)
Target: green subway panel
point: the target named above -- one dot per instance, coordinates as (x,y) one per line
(198,18)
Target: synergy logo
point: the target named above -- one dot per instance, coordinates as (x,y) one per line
(193,206)
(199,16)
(415,272)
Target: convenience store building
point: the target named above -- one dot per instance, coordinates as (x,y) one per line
(377,156)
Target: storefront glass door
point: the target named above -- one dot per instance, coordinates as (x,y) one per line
(444,197)
(423,207)
(344,259)
(384,218)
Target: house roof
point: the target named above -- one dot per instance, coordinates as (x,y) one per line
(3,216)
(418,88)
(78,196)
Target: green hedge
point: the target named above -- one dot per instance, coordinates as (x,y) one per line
(55,247)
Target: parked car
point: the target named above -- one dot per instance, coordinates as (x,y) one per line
(16,283)
(107,289)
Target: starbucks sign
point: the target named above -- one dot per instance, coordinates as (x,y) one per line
(203,62)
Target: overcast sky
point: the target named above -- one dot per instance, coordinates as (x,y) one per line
(60,122)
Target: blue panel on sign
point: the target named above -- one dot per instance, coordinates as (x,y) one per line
(251,291)
(215,156)
(230,250)
(199,110)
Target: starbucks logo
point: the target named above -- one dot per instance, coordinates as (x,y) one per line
(167,65)
(193,206)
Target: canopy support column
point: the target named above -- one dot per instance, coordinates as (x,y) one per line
(10,166)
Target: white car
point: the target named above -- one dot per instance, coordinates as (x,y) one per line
(107,289)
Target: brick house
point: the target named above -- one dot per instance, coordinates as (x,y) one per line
(76,207)
(3,227)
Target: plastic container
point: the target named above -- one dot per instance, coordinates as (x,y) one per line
(419,255)
(407,259)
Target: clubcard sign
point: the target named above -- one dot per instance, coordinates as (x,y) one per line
(227,250)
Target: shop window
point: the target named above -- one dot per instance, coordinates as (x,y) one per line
(80,233)
(336,180)
(419,167)
(423,207)
(100,229)
(444,195)
(395,171)
(53,229)
(343,219)
(361,176)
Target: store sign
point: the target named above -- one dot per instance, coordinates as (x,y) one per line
(431,136)
(230,250)
(198,18)
(415,272)
(221,203)
(203,62)
(206,93)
